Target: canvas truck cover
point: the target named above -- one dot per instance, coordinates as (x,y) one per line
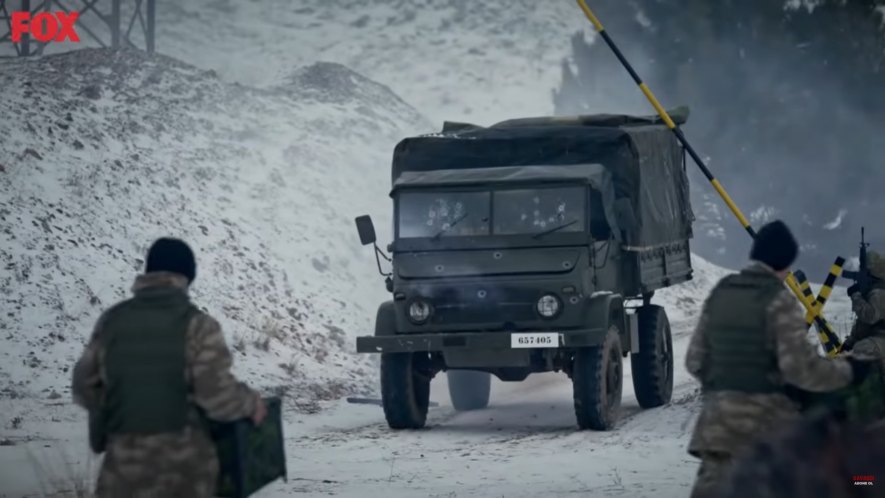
(651,195)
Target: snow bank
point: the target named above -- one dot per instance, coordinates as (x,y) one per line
(108,150)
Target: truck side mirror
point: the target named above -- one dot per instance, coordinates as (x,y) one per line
(366,229)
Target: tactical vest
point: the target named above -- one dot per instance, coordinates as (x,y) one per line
(147,391)
(741,353)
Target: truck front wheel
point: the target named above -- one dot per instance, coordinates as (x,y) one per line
(469,390)
(652,366)
(405,390)
(597,380)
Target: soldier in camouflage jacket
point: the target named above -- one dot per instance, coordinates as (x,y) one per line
(748,351)
(868,334)
(153,370)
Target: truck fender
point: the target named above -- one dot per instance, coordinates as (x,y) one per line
(385,319)
(608,309)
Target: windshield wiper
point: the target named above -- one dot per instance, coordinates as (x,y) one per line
(554,229)
(451,225)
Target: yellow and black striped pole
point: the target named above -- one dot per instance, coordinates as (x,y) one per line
(827,288)
(804,286)
(816,304)
(830,341)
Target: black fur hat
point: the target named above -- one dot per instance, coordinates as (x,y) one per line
(171,255)
(775,246)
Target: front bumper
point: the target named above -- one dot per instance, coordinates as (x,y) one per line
(471,341)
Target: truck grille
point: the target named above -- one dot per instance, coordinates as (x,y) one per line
(501,313)
(462,306)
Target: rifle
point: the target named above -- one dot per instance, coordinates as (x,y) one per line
(862,277)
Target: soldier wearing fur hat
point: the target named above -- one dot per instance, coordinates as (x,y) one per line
(154,368)
(749,350)
(868,334)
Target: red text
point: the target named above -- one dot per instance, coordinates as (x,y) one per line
(863,480)
(45,26)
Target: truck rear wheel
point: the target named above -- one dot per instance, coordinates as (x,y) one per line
(469,390)
(405,390)
(597,380)
(653,365)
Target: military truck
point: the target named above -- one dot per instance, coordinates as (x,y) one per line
(533,245)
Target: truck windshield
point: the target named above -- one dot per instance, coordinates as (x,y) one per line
(498,212)
(539,210)
(443,214)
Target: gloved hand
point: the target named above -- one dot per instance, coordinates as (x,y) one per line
(852,290)
(860,369)
(847,345)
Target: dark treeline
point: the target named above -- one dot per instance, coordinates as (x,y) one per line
(788,106)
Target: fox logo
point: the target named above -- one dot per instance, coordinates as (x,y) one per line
(45,26)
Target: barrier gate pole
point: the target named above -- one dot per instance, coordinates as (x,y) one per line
(827,337)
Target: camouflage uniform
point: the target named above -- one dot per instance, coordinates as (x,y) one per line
(178,464)
(731,420)
(868,334)
(817,457)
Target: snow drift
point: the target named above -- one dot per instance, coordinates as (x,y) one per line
(104,151)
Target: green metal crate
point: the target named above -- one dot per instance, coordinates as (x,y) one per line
(251,457)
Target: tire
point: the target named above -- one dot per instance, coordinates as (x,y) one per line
(405,391)
(469,390)
(653,365)
(597,380)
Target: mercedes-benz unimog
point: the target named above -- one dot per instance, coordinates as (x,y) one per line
(533,245)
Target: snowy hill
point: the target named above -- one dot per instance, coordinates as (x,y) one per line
(451,59)
(112,150)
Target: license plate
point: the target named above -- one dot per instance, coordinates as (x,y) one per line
(536,340)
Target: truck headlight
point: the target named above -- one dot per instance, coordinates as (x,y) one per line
(548,306)
(419,311)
